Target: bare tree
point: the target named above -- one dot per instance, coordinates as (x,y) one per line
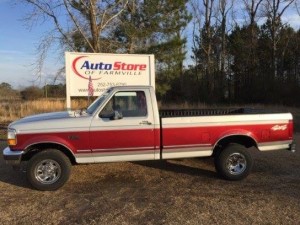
(297,7)
(225,6)
(196,22)
(84,21)
(207,47)
(252,7)
(205,30)
(274,10)
(205,19)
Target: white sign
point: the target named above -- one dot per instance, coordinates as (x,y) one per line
(92,73)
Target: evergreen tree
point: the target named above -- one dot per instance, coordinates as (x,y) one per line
(154,27)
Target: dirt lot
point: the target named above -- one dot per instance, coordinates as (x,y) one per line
(168,192)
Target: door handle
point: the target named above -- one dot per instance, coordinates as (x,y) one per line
(145,123)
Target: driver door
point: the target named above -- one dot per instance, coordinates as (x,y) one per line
(124,129)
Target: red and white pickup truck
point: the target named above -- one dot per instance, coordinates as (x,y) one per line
(124,124)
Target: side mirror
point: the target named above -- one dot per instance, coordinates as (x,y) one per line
(116,116)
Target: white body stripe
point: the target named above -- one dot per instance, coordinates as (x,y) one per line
(278,145)
(212,121)
(96,158)
(186,154)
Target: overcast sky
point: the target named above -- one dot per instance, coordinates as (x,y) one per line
(18,45)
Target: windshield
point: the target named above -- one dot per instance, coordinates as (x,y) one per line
(93,107)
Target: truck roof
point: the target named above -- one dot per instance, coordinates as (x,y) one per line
(131,87)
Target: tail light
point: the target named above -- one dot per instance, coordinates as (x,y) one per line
(291,129)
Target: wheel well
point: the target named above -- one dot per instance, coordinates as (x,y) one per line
(33,149)
(237,139)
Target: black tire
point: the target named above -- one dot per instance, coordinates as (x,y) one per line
(48,170)
(233,162)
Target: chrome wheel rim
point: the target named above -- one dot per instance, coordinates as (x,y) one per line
(47,171)
(236,164)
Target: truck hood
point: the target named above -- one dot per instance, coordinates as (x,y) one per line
(45,116)
(51,121)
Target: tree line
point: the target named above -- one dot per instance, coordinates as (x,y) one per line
(8,93)
(203,51)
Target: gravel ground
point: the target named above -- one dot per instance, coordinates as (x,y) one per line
(179,192)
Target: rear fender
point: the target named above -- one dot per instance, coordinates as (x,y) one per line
(242,137)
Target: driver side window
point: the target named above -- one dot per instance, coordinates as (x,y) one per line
(127,103)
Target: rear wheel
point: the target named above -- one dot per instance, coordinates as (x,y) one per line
(234,162)
(48,170)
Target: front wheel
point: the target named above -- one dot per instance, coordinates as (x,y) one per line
(234,162)
(48,170)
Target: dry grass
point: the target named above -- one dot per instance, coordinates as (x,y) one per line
(13,110)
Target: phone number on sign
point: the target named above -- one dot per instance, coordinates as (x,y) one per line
(110,84)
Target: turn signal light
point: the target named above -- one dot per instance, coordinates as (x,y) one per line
(11,137)
(11,142)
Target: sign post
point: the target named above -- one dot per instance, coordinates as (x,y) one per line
(89,74)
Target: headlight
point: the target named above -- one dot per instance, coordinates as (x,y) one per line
(11,137)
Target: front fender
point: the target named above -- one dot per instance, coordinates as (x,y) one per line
(44,139)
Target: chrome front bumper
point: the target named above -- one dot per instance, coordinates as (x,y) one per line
(12,157)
